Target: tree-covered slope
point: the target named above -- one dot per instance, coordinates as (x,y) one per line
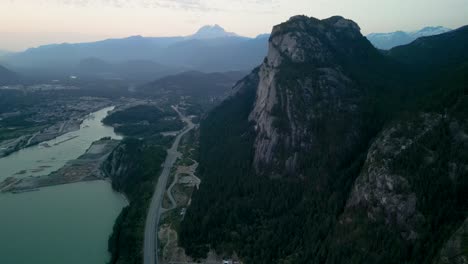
(195,84)
(435,52)
(330,152)
(133,167)
(143,121)
(387,41)
(7,76)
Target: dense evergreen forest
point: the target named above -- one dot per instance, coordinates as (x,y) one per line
(143,121)
(139,164)
(134,167)
(293,220)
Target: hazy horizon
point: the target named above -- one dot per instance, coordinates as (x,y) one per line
(31,23)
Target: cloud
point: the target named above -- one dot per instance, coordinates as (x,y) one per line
(173,4)
(201,5)
(176,4)
(251,6)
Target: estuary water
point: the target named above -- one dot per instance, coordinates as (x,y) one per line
(61,224)
(51,155)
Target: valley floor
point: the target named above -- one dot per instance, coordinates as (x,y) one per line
(86,168)
(155,209)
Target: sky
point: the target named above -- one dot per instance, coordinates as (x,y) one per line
(29,23)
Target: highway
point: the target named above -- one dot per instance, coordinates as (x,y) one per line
(150,250)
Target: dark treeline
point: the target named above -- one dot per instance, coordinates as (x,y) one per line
(296,221)
(140,164)
(144,121)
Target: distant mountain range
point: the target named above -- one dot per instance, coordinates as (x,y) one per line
(195,84)
(210,32)
(389,40)
(135,70)
(7,76)
(210,49)
(4,52)
(334,152)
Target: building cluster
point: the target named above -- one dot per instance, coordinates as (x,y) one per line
(38,87)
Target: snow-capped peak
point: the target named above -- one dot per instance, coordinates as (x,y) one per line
(212,31)
(430,31)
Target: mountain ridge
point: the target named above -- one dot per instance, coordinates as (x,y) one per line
(389,40)
(7,76)
(204,52)
(323,54)
(379,178)
(198,85)
(212,31)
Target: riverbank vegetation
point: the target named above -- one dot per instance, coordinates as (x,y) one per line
(139,162)
(143,121)
(134,168)
(294,220)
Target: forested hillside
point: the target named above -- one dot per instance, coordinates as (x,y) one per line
(7,76)
(203,88)
(143,121)
(134,167)
(331,152)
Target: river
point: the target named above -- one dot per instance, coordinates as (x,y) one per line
(61,224)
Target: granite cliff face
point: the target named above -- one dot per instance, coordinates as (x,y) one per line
(332,152)
(385,193)
(305,95)
(455,250)
(412,179)
(119,166)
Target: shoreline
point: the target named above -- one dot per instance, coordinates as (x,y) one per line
(87,167)
(61,127)
(21,139)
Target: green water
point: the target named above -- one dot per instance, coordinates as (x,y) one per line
(39,160)
(66,224)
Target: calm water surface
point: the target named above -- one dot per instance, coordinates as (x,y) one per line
(39,160)
(61,224)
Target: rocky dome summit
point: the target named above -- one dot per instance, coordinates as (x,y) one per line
(212,31)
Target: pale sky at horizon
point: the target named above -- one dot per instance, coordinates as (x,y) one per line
(29,23)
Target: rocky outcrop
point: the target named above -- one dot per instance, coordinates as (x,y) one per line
(114,165)
(455,250)
(120,164)
(306,101)
(382,191)
(361,176)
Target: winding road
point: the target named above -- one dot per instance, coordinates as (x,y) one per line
(169,193)
(174,182)
(150,250)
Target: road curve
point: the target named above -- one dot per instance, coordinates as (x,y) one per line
(150,250)
(169,193)
(174,182)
